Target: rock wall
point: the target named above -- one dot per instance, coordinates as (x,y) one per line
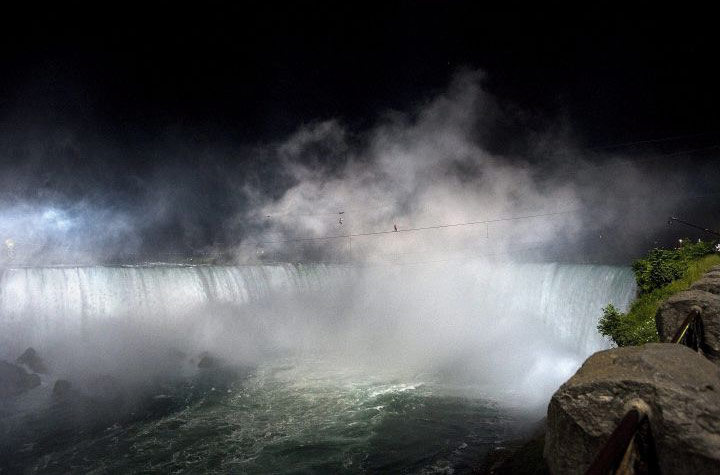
(680,386)
(705,294)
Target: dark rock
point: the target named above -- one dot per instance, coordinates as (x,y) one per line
(208,361)
(61,388)
(680,388)
(671,315)
(31,359)
(15,380)
(707,284)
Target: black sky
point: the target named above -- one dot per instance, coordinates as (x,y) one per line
(255,70)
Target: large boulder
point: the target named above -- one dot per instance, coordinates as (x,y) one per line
(673,312)
(680,387)
(15,380)
(32,360)
(62,388)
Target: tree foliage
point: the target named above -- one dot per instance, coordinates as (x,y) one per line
(610,323)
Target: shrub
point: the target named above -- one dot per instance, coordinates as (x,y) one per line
(659,268)
(659,275)
(610,324)
(662,266)
(626,329)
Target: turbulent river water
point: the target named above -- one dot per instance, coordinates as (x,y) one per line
(303,368)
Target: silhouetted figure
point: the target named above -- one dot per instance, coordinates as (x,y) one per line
(341,221)
(395,226)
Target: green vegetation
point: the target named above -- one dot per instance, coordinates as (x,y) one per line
(663,266)
(662,273)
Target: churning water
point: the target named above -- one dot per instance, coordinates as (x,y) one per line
(324,369)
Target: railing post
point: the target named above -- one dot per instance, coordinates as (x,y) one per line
(694,313)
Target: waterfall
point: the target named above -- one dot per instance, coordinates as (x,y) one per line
(426,306)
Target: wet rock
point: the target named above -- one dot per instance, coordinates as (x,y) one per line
(673,312)
(208,361)
(217,374)
(32,360)
(61,388)
(680,387)
(15,380)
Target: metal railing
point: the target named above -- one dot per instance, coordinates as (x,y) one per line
(691,321)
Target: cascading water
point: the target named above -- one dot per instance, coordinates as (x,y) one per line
(37,304)
(357,369)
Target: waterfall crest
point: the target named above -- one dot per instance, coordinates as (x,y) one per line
(566,300)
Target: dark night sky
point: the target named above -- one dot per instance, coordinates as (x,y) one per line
(129,81)
(255,72)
